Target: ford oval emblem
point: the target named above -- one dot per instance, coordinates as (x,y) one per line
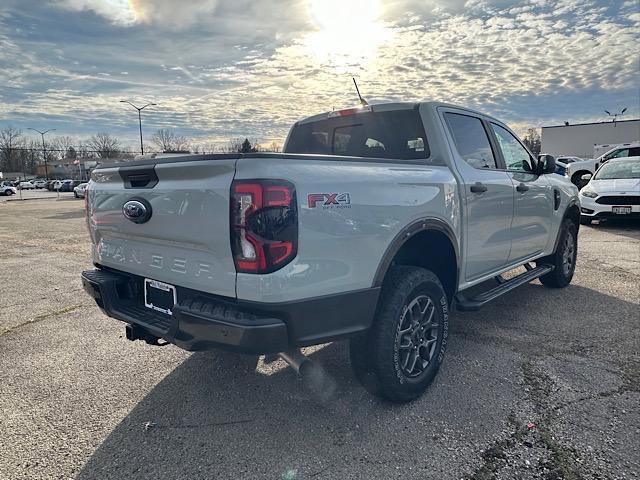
(138,210)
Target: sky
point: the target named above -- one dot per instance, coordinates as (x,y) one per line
(221,69)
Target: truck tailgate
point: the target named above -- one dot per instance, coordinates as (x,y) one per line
(185,241)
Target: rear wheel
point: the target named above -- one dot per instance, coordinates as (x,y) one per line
(400,355)
(563,259)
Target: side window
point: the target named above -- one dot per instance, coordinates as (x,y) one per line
(634,152)
(471,140)
(516,157)
(620,153)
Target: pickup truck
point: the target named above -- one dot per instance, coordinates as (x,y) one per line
(576,170)
(370,226)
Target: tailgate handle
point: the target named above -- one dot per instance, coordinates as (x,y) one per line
(139,177)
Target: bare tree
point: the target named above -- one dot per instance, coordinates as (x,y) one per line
(31,156)
(533,141)
(167,141)
(11,140)
(232,146)
(63,146)
(273,147)
(104,145)
(241,145)
(83,150)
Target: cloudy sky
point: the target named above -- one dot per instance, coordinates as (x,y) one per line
(226,68)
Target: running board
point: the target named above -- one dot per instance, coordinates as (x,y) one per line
(469,304)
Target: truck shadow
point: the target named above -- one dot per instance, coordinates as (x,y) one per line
(625,227)
(216,416)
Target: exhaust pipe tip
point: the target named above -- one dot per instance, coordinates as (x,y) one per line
(297,360)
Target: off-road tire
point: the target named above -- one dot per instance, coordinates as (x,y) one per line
(567,249)
(380,358)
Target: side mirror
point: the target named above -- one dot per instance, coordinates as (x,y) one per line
(586,177)
(546,164)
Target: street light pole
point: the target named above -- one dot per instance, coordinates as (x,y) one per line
(139,109)
(615,115)
(44,150)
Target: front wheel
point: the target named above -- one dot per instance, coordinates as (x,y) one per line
(563,259)
(585,220)
(9,193)
(400,355)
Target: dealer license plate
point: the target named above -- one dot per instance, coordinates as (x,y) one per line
(159,296)
(621,210)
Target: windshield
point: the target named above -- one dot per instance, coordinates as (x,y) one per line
(394,134)
(619,169)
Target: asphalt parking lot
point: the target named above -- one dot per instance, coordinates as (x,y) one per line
(541,384)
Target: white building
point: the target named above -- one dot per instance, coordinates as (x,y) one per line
(578,140)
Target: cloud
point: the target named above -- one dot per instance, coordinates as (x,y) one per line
(171,13)
(116,11)
(224,69)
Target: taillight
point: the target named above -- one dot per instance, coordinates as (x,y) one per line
(264,225)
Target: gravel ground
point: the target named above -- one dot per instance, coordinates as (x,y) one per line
(541,384)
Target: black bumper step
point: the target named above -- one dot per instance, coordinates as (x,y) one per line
(469,304)
(196,324)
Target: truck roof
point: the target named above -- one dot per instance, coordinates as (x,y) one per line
(388,106)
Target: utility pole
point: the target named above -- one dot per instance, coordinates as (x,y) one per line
(139,109)
(44,150)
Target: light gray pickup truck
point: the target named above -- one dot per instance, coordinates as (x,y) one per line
(370,226)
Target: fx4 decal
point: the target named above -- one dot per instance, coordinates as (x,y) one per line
(329,200)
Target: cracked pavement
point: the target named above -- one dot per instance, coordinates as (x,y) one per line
(540,384)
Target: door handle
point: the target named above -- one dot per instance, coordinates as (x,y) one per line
(478,188)
(522,187)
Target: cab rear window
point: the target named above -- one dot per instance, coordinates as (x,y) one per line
(396,134)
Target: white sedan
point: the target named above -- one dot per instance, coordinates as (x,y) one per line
(613,192)
(79,191)
(26,186)
(8,190)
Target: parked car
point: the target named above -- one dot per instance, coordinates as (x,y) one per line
(39,183)
(562,162)
(621,150)
(26,186)
(53,185)
(68,185)
(8,189)
(370,226)
(576,170)
(78,191)
(614,191)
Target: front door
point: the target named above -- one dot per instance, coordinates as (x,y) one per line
(488,196)
(533,209)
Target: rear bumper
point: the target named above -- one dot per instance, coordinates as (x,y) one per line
(202,321)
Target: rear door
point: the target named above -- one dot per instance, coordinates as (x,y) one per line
(533,203)
(487,197)
(185,241)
